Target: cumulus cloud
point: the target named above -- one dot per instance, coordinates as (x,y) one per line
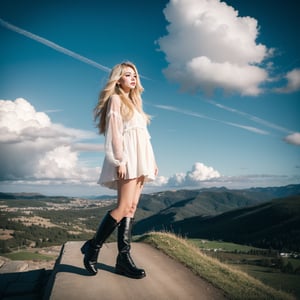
(34,148)
(202,176)
(293,82)
(293,138)
(86,147)
(58,163)
(209,46)
(193,177)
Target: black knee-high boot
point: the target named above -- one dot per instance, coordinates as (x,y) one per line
(91,248)
(125,265)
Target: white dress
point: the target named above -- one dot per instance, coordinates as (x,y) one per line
(128,143)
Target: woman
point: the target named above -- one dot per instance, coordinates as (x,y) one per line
(129,162)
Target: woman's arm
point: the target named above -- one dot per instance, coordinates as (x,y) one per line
(114,133)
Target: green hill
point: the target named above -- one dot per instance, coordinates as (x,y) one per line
(275,224)
(165,209)
(256,216)
(158,201)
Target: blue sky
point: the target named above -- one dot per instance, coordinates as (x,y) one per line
(221,79)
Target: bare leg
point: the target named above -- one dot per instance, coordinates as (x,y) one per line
(136,198)
(125,264)
(129,192)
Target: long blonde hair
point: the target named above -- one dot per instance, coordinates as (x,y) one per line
(128,103)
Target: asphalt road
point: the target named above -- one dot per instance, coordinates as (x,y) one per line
(166,279)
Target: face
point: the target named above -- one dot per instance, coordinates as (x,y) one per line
(128,80)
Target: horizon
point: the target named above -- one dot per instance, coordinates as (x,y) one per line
(143,193)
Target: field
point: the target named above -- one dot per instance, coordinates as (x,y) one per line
(276,279)
(43,223)
(268,266)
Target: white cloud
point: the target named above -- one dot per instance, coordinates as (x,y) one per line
(293,82)
(201,172)
(177,179)
(194,177)
(86,147)
(293,138)
(209,46)
(33,148)
(202,176)
(58,163)
(159,181)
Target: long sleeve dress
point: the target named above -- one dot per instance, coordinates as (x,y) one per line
(128,143)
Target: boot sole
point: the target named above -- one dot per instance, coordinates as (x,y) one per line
(123,273)
(91,272)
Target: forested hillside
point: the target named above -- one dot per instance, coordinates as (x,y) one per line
(251,216)
(273,224)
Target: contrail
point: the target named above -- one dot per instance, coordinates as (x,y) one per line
(251,117)
(53,45)
(197,115)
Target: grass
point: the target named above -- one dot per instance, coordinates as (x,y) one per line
(235,283)
(287,282)
(225,246)
(260,265)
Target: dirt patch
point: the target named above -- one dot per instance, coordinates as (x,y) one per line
(78,230)
(39,221)
(74,232)
(6,234)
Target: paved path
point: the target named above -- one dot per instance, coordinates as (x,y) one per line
(166,279)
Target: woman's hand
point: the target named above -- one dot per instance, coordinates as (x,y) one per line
(121,171)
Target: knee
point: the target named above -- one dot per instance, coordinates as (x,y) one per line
(129,210)
(133,208)
(125,211)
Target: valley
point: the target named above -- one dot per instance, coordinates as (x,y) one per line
(262,226)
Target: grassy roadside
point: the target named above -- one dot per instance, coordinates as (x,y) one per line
(235,283)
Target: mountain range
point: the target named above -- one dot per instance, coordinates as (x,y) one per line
(262,217)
